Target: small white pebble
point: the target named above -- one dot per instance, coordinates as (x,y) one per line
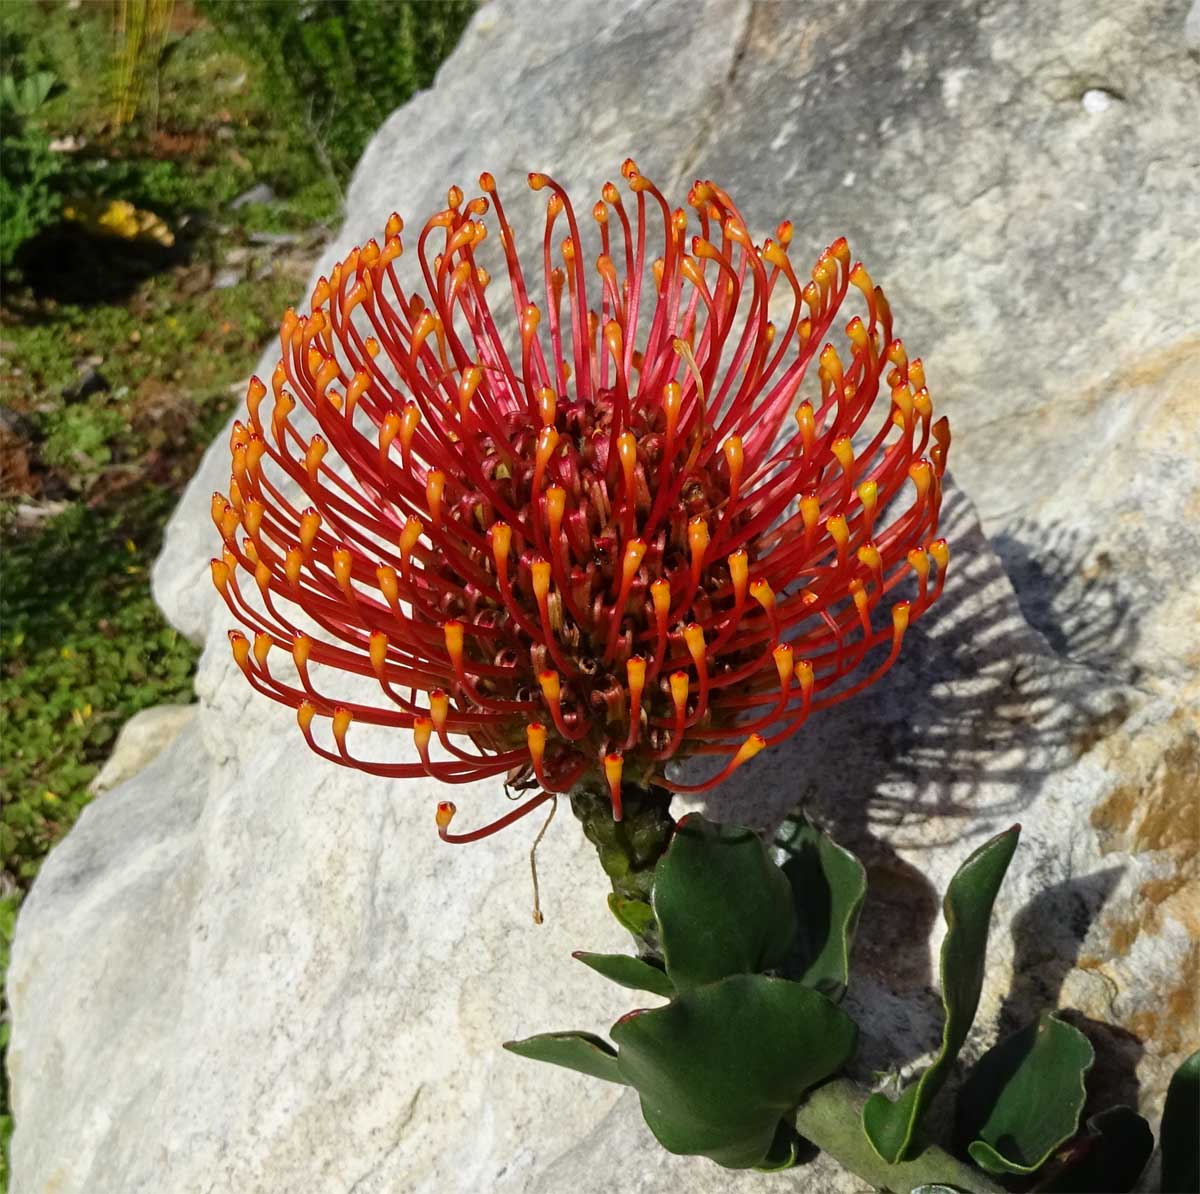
(848,180)
(1095,100)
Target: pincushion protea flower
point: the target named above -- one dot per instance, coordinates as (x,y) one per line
(630,540)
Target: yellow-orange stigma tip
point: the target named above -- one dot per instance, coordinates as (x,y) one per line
(500,535)
(869,557)
(635,551)
(310,524)
(693,637)
(550,684)
(921,474)
(389,584)
(547,406)
(614,764)
(445,814)
(774,255)
(679,688)
(263,643)
(627,448)
(940,552)
(262,576)
(859,592)
(918,561)
(453,633)
(805,675)
(292,564)
(868,494)
(535,739)
(556,503)
(378,650)
(240,645)
(783,663)
(413,527)
(839,532)
(697,533)
(252,516)
(439,708)
(539,573)
(301,649)
(762,593)
(831,363)
(900,616)
(546,443)
(422,732)
(435,484)
(536,181)
(343,566)
(342,717)
(749,748)
(810,510)
(916,373)
(861,279)
(220,574)
(255,392)
(843,452)
(660,595)
(305,712)
(635,670)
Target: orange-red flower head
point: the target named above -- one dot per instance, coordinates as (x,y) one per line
(656,522)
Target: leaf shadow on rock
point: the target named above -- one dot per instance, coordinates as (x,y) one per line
(1047,935)
(1070,593)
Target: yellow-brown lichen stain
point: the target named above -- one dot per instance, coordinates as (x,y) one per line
(1159,811)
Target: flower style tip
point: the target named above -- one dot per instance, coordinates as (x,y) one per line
(656,523)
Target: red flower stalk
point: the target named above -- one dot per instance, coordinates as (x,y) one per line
(631,541)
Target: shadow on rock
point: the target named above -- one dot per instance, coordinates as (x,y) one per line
(1070,594)
(967,727)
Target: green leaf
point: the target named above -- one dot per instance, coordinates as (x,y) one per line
(1180,1163)
(580,1051)
(1110,1157)
(630,972)
(784,1152)
(828,886)
(1023,1097)
(722,1064)
(889,1126)
(723,906)
(635,916)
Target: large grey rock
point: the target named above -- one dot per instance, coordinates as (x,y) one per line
(141,740)
(248,971)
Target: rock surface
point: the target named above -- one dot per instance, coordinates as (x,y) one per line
(141,740)
(248,971)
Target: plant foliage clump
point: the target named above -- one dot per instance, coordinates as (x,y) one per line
(344,65)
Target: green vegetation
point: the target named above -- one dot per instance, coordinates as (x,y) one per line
(136,298)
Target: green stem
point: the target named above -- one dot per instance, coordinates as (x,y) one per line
(831,1117)
(628,849)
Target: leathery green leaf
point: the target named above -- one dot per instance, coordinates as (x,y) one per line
(828,886)
(630,972)
(580,1051)
(891,1126)
(1023,1097)
(723,907)
(719,1066)
(1180,1162)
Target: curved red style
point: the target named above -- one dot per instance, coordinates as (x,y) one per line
(645,532)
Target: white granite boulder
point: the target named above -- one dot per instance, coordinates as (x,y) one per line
(249,971)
